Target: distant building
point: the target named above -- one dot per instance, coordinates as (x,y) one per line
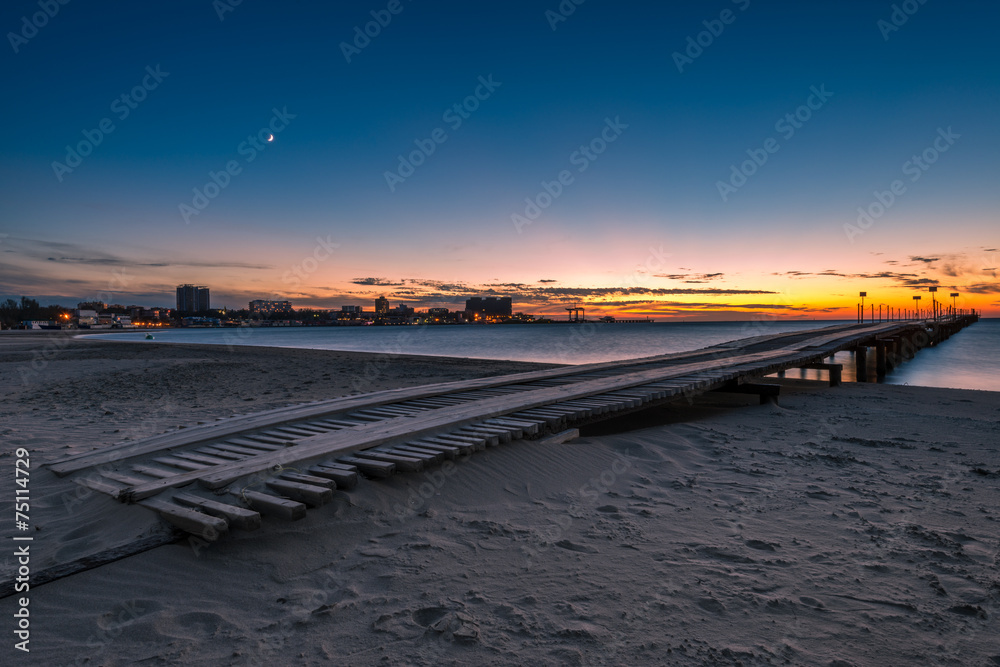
(351,310)
(437,312)
(489,306)
(192,298)
(381,306)
(265,307)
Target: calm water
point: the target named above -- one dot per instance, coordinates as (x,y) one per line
(968,360)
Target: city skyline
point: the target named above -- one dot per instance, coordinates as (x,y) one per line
(731,161)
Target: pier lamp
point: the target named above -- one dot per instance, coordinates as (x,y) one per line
(916,306)
(954,305)
(862,317)
(933,291)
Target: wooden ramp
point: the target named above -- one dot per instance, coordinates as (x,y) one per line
(214,477)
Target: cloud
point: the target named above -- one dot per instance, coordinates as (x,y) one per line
(548,281)
(982,288)
(925,260)
(383,282)
(690,277)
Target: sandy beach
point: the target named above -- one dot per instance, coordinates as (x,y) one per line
(856,525)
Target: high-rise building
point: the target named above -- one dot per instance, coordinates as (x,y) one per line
(266,307)
(192,298)
(381,306)
(490,305)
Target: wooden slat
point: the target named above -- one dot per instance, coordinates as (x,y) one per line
(371,467)
(265,503)
(345,480)
(237,517)
(208,528)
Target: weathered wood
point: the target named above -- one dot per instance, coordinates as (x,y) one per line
(99,484)
(208,528)
(254,445)
(128,480)
(152,471)
(200,458)
(312,496)
(265,503)
(435,456)
(180,463)
(221,454)
(450,453)
(464,448)
(237,517)
(345,480)
(292,476)
(404,463)
(371,467)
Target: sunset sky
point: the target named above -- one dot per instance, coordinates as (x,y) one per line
(829,107)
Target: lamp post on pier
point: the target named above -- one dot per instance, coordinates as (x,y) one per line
(933,291)
(861,317)
(916,307)
(954,305)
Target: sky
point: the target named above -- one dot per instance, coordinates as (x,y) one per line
(709,160)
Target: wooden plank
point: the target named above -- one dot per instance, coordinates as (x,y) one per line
(475,441)
(371,467)
(339,466)
(255,444)
(345,480)
(127,480)
(237,517)
(325,482)
(269,505)
(464,448)
(409,450)
(491,439)
(180,463)
(404,463)
(236,449)
(265,438)
(495,437)
(200,458)
(312,496)
(152,471)
(208,528)
(98,484)
(221,454)
(450,453)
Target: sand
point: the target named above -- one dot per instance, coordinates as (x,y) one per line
(857,525)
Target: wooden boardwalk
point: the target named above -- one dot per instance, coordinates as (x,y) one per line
(214,477)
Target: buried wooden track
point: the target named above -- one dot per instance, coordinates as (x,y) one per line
(211,478)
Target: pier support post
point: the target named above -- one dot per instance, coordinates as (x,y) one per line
(861,363)
(880,364)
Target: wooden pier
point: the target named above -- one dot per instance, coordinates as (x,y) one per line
(215,477)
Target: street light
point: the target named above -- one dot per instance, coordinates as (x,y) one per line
(933,291)
(862,318)
(916,305)
(954,309)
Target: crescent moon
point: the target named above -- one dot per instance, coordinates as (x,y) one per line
(270,137)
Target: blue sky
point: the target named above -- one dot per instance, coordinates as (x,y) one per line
(447,230)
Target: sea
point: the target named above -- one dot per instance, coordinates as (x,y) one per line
(968,360)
